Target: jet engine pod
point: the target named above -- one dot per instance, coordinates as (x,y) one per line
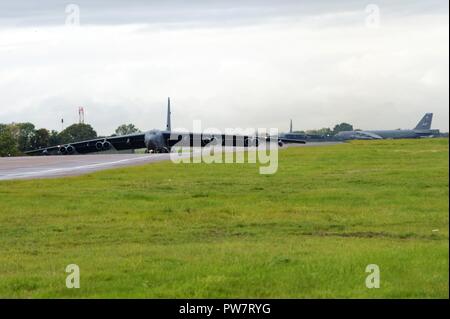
(99,146)
(280,143)
(103,146)
(206,141)
(213,140)
(63,150)
(248,141)
(106,145)
(70,149)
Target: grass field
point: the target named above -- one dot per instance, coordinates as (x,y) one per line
(221,230)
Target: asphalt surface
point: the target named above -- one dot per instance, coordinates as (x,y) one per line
(31,167)
(58,166)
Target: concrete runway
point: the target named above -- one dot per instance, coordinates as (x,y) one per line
(58,166)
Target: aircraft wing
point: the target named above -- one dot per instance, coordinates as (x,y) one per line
(204,139)
(366,135)
(291,140)
(157,141)
(196,139)
(284,140)
(125,142)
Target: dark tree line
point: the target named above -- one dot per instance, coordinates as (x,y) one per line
(17,138)
(326,131)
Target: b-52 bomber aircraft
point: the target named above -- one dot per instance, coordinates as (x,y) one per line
(422,129)
(157,141)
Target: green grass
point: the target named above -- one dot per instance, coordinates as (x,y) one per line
(221,230)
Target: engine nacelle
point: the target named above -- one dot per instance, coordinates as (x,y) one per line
(280,143)
(99,146)
(106,146)
(206,141)
(103,146)
(248,141)
(154,140)
(213,140)
(70,149)
(65,150)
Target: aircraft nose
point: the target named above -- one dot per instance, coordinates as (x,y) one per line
(151,141)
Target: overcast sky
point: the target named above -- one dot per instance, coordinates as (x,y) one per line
(228,63)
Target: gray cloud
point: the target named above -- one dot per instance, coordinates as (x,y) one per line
(23,12)
(234,63)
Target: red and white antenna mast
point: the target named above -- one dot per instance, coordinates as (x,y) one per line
(81,115)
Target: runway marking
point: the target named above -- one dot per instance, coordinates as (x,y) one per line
(74,168)
(89,167)
(42,170)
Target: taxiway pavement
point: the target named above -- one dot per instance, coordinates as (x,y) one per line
(58,166)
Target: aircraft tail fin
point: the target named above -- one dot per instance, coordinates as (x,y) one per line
(168,125)
(425,122)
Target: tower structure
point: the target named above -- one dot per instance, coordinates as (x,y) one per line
(81,115)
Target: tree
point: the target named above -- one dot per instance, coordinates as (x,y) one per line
(8,143)
(40,139)
(322,132)
(326,131)
(25,134)
(126,129)
(342,127)
(77,132)
(54,138)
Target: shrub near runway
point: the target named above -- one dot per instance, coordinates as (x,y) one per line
(223,230)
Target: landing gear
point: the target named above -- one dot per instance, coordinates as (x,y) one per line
(163,150)
(157,151)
